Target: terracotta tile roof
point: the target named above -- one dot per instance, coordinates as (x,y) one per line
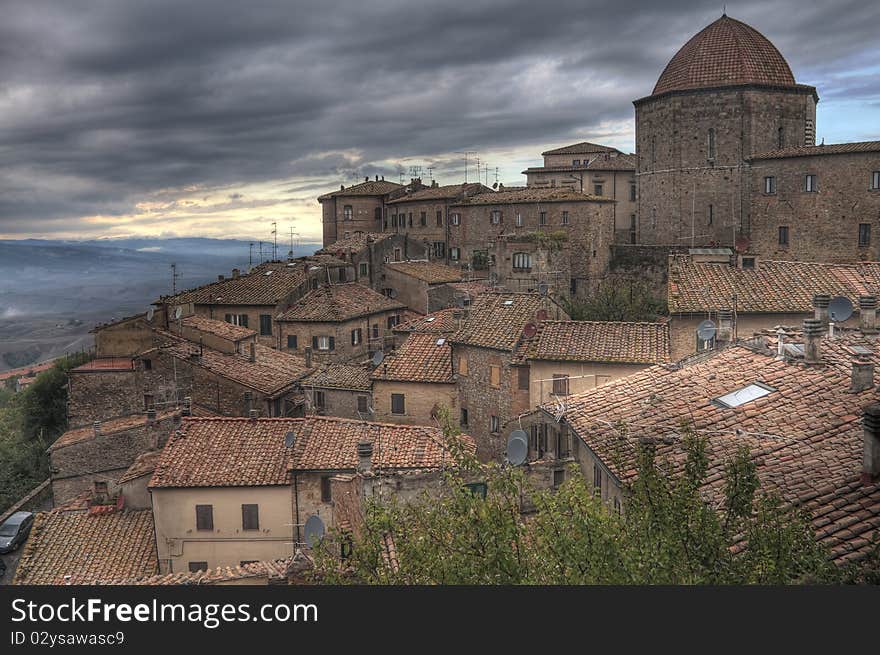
(532,194)
(368,188)
(267,284)
(805,436)
(472,288)
(618,163)
(772,287)
(421,358)
(496,319)
(725,53)
(818,151)
(438,322)
(357,241)
(26,370)
(275,570)
(271,372)
(218,328)
(88,547)
(225,452)
(582,148)
(330,444)
(106,364)
(446,192)
(601,341)
(337,303)
(427,271)
(340,376)
(113,426)
(144,464)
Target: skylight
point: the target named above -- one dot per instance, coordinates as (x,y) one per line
(430,319)
(440,342)
(861,350)
(745,395)
(508,302)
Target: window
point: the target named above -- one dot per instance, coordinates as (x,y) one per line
(780,138)
(394,220)
(342,275)
(565,218)
(770,185)
(558,478)
(597,189)
(462,365)
(313,283)
(397,254)
(455,219)
(560,384)
(522,378)
(455,254)
(291,342)
(364,269)
(522,261)
(320,401)
(237,319)
(632,192)
(410,219)
(597,477)
(346,213)
(265,325)
(748,263)
(494,424)
(439,249)
(542,218)
(148,364)
(711,146)
(519,219)
(398,403)
(393,320)
(204,517)
(864,234)
(149,401)
(326,492)
(423,219)
(195,567)
(576,162)
(811,183)
(783,235)
(745,395)
(573,287)
(494,375)
(562,444)
(710,214)
(495,217)
(362,405)
(323,343)
(375,330)
(250,517)
(463,419)
(100,486)
(356,336)
(439,218)
(875,180)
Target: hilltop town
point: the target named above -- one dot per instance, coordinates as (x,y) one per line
(213,437)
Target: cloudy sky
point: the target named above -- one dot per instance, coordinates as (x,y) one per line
(196,118)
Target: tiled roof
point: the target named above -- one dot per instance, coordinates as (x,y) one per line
(218,328)
(805,436)
(340,376)
(421,358)
(336,303)
(27,370)
(88,547)
(472,288)
(427,271)
(356,241)
(533,194)
(113,426)
(618,163)
(446,192)
(818,151)
(725,53)
(368,188)
(434,323)
(271,570)
(107,364)
(496,319)
(144,464)
(271,372)
(330,444)
(225,452)
(772,287)
(601,341)
(582,148)
(267,284)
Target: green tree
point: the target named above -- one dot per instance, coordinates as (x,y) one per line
(617,302)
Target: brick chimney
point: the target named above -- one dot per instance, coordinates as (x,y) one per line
(820,307)
(365,456)
(308,356)
(868,314)
(725,325)
(871,439)
(813,331)
(253,355)
(187,407)
(862,375)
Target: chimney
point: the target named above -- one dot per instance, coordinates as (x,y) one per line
(820,307)
(367,178)
(151,415)
(365,456)
(342,187)
(97,426)
(871,439)
(868,313)
(862,375)
(308,355)
(377,178)
(221,277)
(187,407)
(235,273)
(725,325)
(253,356)
(813,331)
(253,414)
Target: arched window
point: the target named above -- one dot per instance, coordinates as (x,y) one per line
(711,147)
(522,261)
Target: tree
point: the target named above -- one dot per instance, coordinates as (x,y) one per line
(617,302)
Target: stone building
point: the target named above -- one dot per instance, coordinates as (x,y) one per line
(488,361)
(411,282)
(455,294)
(339,322)
(442,322)
(728,93)
(368,252)
(342,390)
(415,381)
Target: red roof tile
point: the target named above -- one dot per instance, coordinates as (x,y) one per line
(110,427)
(437,322)
(336,303)
(218,328)
(427,271)
(818,151)
(106,364)
(601,341)
(421,358)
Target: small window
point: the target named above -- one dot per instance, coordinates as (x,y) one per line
(494,424)
(875,180)
(455,219)
(597,189)
(463,420)
(393,320)
(519,219)
(495,375)
(410,219)
(565,218)
(710,214)
(462,365)
(326,492)
(398,403)
(522,261)
(542,218)
(597,476)
(397,253)
(522,377)
(356,336)
(558,478)
(148,364)
(423,219)
(632,192)
(711,145)
(770,185)
(495,217)
(439,249)
(780,138)
(291,341)
(363,269)
(362,404)
(100,486)
(250,517)
(204,517)
(243,320)
(324,343)
(346,213)
(455,254)
(560,384)
(748,263)
(320,401)
(439,218)
(266,324)
(375,330)
(149,401)
(864,234)
(576,162)
(195,567)
(811,183)
(783,235)
(742,396)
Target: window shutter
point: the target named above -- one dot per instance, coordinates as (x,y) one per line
(332,343)
(314,343)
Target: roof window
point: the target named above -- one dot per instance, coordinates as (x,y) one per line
(745,395)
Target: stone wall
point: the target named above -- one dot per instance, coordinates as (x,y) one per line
(420,401)
(341,332)
(337,402)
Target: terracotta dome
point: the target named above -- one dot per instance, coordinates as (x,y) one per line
(725,53)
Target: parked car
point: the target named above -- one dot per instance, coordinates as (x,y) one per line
(14,531)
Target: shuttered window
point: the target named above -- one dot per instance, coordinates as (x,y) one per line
(398,403)
(204,517)
(250,517)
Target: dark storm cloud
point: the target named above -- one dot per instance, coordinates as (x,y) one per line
(102,103)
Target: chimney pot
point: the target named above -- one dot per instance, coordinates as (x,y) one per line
(813,331)
(820,307)
(236,272)
(868,313)
(871,440)
(220,278)
(97,426)
(367,179)
(253,414)
(725,325)
(862,375)
(365,456)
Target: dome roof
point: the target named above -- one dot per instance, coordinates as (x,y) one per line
(725,53)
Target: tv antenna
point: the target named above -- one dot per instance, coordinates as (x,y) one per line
(415,171)
(251,256)
(465,153)
(174,277)
(292,233)
(431,173)
(274,240)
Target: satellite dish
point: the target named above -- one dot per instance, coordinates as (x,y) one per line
(840,309)
(378,356)
(530,330)
(392,294)
(178,312)
(314,530)
(543,288)
(706,330)
(517,447)
(289,439)
(150,313)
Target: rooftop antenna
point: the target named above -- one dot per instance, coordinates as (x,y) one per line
(496,176)
(292,232)
(415,171)
(274,240)
(174,276)
(251,255)
(431,173)
(465,153)
(261,252)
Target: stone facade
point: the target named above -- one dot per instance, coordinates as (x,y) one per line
(421,401)
(375,334)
